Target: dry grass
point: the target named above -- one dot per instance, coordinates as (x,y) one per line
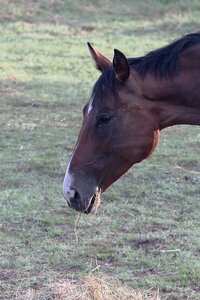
(91,287)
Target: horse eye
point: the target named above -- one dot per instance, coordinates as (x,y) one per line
(103,120)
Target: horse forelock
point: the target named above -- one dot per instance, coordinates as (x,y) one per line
(105,86)
(106,82)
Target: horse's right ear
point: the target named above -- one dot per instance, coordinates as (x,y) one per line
(121,66)
(101,61)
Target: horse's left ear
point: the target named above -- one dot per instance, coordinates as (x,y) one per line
(101,61)
(121,66)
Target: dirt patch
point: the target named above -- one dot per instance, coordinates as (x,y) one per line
(158,226)
(148,245)
(192,165)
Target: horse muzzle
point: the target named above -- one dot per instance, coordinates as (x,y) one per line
(75,201)
(82,196)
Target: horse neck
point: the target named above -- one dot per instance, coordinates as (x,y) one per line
(170,115)
(174,101)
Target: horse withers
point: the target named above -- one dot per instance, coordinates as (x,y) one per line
(131,102)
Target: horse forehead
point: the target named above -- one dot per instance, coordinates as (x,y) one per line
(99,102)
(90,105)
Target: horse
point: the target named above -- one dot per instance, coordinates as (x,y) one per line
(131,102)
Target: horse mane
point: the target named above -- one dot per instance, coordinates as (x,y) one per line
(164,62)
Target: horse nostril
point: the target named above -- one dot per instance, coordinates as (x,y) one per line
(74,198)
(76,202)
(77,197)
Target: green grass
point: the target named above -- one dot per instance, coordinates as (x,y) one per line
(146,232)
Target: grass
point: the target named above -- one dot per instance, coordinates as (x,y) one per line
(91,287)
(146,232)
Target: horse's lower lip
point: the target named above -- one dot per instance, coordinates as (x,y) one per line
(91,203)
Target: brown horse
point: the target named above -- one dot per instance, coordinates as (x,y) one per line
(131,102)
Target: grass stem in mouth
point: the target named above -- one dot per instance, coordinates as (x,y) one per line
(97,202)
(94,203)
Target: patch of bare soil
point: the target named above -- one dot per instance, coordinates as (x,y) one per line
(149,245)
(191,165)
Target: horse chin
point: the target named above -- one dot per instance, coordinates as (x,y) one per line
(93,203)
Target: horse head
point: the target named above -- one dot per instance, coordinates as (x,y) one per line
(117,132)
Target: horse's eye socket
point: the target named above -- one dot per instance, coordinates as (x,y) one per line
(103,120)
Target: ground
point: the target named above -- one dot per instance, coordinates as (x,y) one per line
(146,231)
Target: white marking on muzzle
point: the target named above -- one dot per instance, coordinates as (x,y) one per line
(67,183)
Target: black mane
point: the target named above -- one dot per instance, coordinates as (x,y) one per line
(164,62)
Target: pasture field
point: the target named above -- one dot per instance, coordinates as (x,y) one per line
(146,233)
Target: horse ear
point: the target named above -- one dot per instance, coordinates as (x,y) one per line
(101,61)
(120,65)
